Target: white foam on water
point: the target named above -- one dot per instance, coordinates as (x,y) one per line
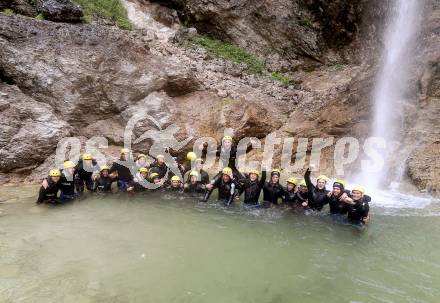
(395,199)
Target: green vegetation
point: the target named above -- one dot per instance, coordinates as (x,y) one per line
(112,10)
(7,12)
(241,56)
(231,52)
(306,23)
(39,17)
(281,78)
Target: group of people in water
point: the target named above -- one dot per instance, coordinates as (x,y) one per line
(69,183)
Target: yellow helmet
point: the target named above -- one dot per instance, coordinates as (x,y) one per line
(55,173)
(143,170)
(275,171)
(154,175)
(141,156)
(125,151)
(303,183)
(254,171)
(160,156)
(191,156)
(68,164)
(340,181)
(292,180)
(193,173)
(175,178)
(227,138)
(104,167)
(322,177)
(87,157)
(360,189)
(227,171)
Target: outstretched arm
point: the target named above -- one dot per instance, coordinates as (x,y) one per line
(310,186)
(262,178)
(232,195)
(210,187)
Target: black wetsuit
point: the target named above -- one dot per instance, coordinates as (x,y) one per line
(336,206)
(272,192)
(300,198)
(103,184)
(161,169)
(124,174)
(358,211)
(195,189)
(251,189)
(173,190)
(49,194)
(289,197)
(84,176)
(316,197)
(226,191)
(67,186)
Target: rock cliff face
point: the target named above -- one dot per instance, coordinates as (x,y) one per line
(85,80)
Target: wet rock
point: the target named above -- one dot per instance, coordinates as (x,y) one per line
(22,7)
(60,10)
(183,35)
(95,78)
(112,129)
(84,71)
(180,82)
(222,94)
(424,168)
(30,130)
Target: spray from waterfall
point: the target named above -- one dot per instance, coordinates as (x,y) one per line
(391,86)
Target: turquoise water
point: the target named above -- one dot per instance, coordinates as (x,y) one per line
(148,249)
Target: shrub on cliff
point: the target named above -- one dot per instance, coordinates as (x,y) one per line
(112,10)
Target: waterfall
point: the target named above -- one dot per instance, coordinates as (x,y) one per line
(391,87)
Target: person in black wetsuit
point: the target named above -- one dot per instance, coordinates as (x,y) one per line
(301,196)
(225,185)
(50,187)
(159,166)
(272,189)
(358,207)
(317,194)
(193,187)
(159,182)
(85,168)
(198,167)
(227,154)
(289,197)
(175,185)
(188,165)
(251,186)
(335,199)
(103,182)
(67,182)
(123,169)
(140,182)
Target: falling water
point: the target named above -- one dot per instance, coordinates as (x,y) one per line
(392,80)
